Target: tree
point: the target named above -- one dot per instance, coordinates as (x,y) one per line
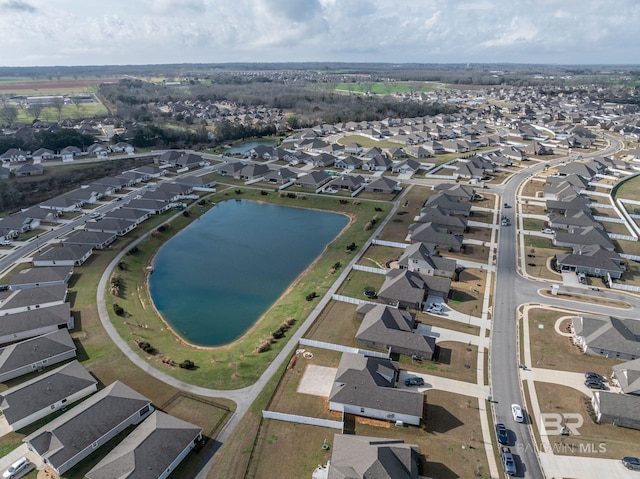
(8,114)
(57,103)
(34,111)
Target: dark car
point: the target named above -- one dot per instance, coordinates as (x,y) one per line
(593,384)
(414,381)
(501,432)
(595,376)
(631,463)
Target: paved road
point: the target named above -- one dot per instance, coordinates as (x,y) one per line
(511,291)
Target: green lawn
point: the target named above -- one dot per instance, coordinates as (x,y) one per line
(86,110)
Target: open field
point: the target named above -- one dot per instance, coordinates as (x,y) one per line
(549,350)
(85,110)
(595,440)
(31,87)
(387,88)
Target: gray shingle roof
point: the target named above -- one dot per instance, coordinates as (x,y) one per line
(35,319)
(149,450)
(46,274)
(77,429)
(42,391)
(27,352)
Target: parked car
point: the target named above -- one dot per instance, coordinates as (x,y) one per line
(435,308)
(15,468)
(518,415)
(505,222)
(593,384)
(501,432)
(631,463)
(595,376)
(414,381)
(508,462)
(547,231)
(5,242)
(506,205)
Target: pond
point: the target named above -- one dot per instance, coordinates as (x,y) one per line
(217,277)
(247,146)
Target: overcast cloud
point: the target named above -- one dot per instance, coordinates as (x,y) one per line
(81,32)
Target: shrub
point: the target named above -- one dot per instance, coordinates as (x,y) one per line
(119,310)
(311,296)
(186,213)
(278,333)
(187,364)
(368,226)
(133,250)
(264,193)
(238,192)
(122,266)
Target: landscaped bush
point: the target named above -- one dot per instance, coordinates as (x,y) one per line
(187,364)
(264,346)
(119,310)
(312,296)
(122,266)
(186,213)
(133,250)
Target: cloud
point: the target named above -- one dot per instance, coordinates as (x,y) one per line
(19,6)
(177,6)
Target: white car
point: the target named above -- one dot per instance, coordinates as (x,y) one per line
(518,415)
(5,243)
(15,468)
(547,231)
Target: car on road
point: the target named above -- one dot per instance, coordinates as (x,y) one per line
(632,463)
(595,376)
(501,432)
(593,384)
(505,222)
(506,205)
(95,214)
(518,415)
(414,381)
(508,462)
(547,231)
(15,468)
(5,242)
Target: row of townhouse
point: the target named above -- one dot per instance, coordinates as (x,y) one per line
(68,153)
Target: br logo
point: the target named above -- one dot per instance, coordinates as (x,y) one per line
(561,423)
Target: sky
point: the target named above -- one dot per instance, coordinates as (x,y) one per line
(117,32)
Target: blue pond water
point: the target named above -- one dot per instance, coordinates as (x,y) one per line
(248,145)
(214,279)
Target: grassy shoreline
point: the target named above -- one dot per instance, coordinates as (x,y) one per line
(235,365)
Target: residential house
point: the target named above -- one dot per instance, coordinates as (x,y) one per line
(17,224)
(123,147)
(37,353)
(252,171)
(618,409)
(383,185)
(365,386)
(42,154)
(189,161)
(592,260)
(350,183)
(231,168)
(363,457)
(84,196)
(68,439)
(393,329)
(313,180)
(452,224)
(408,289)
(449,205)
(607,336)
(436,237)
(281,176)
(19,300)
(577,236)
(348,163)
(68,153)
(627,375)
(117,226)
(35,322)
(94,239)
(153,450)
(35,277)
(418,259)
(98,150)
(169,157)
(13,155)
(35,399)
(154,207)
(578,168)
(377,163)
(406,167)
(62,204)
(461,193)
(129,214)
(418,152)
(63,256)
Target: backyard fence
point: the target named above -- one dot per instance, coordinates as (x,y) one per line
(622,237)
(341,348)
(625,287)
(369,269)
(393,244)
(350,300)
(313,421)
